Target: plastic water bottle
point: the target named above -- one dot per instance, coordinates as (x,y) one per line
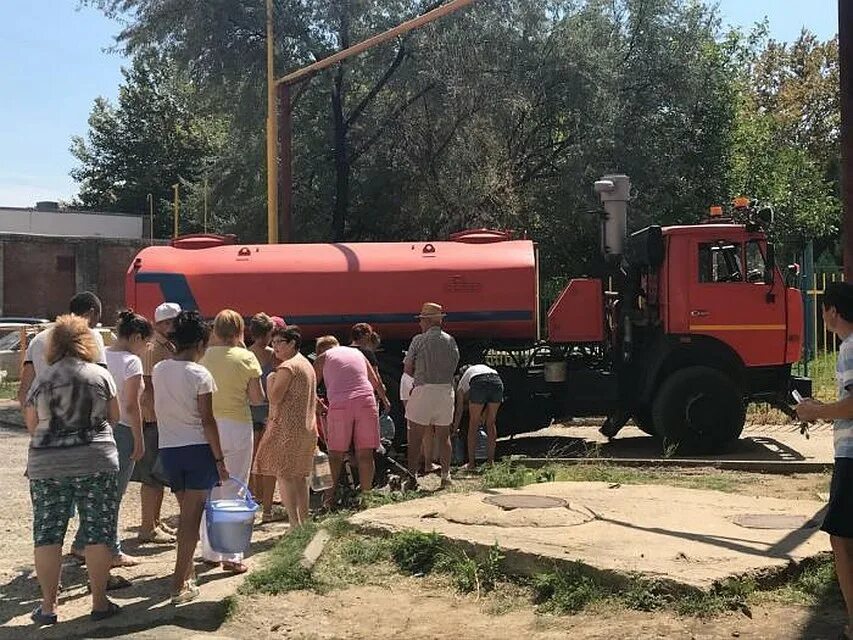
(481,452)
(458,449)
(321,475)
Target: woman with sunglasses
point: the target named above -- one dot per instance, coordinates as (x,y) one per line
(290,439)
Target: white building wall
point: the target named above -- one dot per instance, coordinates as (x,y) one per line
(66,223)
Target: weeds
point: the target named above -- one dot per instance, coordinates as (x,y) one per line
(469,574)
(416,552)
(282,571)
(565,591)
(230,606)
(361,550)
(379,499)
(505,475)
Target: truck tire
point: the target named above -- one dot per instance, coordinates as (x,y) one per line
(700,410)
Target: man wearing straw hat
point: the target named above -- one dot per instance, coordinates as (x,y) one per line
(431,360)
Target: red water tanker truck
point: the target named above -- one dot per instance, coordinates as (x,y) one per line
(684,326)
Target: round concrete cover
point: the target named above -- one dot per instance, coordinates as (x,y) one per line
(523,501)
(774,521)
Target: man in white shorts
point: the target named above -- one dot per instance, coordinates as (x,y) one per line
(431,360)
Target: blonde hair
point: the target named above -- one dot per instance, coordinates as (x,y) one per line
(228,325)
(71,338)
(324,343)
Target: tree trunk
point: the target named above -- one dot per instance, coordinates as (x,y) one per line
(342,161)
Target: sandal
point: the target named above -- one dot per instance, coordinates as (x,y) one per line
(275,515)
(236,568)
(188,593)
(158,536)
(43,619)
(111,610)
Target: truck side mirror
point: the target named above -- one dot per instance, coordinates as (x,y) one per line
(770,264)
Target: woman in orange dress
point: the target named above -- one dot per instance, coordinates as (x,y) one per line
(287,447)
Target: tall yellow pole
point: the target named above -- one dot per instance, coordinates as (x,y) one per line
(177,209)
(151,217)
(272,135)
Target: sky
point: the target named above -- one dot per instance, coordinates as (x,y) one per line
(54,61)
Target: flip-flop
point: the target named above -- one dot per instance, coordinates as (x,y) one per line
(123,560)
(43,619)
(111,610)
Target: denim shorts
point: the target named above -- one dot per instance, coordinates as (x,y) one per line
(839,512)
(190,467)
(487,388)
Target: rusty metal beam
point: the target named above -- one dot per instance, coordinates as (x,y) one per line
(361,47)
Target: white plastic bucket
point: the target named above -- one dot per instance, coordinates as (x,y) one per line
(230,521)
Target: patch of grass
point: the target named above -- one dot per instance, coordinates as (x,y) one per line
(363,550)
(416,552)
(9,390)
(644,595)
(282,572)
(506,474)
(230,606)
(338,524)
(471,575)
(565,591)
(815,584)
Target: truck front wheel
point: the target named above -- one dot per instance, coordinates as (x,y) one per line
(700,410)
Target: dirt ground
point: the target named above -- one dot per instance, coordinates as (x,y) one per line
(394,607)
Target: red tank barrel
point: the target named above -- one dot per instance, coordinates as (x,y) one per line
(487,285)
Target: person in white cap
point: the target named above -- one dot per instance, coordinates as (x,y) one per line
(152,530)
(431,360)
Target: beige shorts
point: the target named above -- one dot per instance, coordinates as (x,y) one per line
(431,404)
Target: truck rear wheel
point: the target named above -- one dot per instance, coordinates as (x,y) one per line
(700,410)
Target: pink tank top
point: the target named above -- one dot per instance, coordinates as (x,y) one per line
(345,375)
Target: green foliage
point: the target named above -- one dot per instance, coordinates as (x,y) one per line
(506,474)
(416,552)
(361,550)
(281,571)
(156,136)
(470,574)
(565,591)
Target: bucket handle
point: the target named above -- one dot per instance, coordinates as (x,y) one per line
(249,498)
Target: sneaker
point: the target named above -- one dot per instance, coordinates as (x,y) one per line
(188,593)
(157,536)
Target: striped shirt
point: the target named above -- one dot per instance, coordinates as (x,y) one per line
(843,429)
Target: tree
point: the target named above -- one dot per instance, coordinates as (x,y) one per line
(153,138)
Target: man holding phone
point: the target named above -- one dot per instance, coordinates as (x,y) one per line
(838,318)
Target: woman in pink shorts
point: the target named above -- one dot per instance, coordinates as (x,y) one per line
(353,417)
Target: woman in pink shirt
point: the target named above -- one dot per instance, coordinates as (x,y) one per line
(353,416)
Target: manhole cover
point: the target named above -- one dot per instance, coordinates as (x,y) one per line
(524,501)
(774,521)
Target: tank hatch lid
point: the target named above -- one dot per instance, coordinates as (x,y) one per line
(481,236)
(203,241)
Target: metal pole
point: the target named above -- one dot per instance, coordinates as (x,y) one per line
(272,135)
(151,217)
(285,176)
(177,207)
(845,52)
(205,205)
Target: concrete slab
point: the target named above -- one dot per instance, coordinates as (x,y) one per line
(770,443)
(685,537)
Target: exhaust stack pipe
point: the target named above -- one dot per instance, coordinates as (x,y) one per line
(614,191)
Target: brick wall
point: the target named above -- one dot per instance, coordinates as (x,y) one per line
(41,273)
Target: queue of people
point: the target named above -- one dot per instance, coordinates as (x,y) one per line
(177,403)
